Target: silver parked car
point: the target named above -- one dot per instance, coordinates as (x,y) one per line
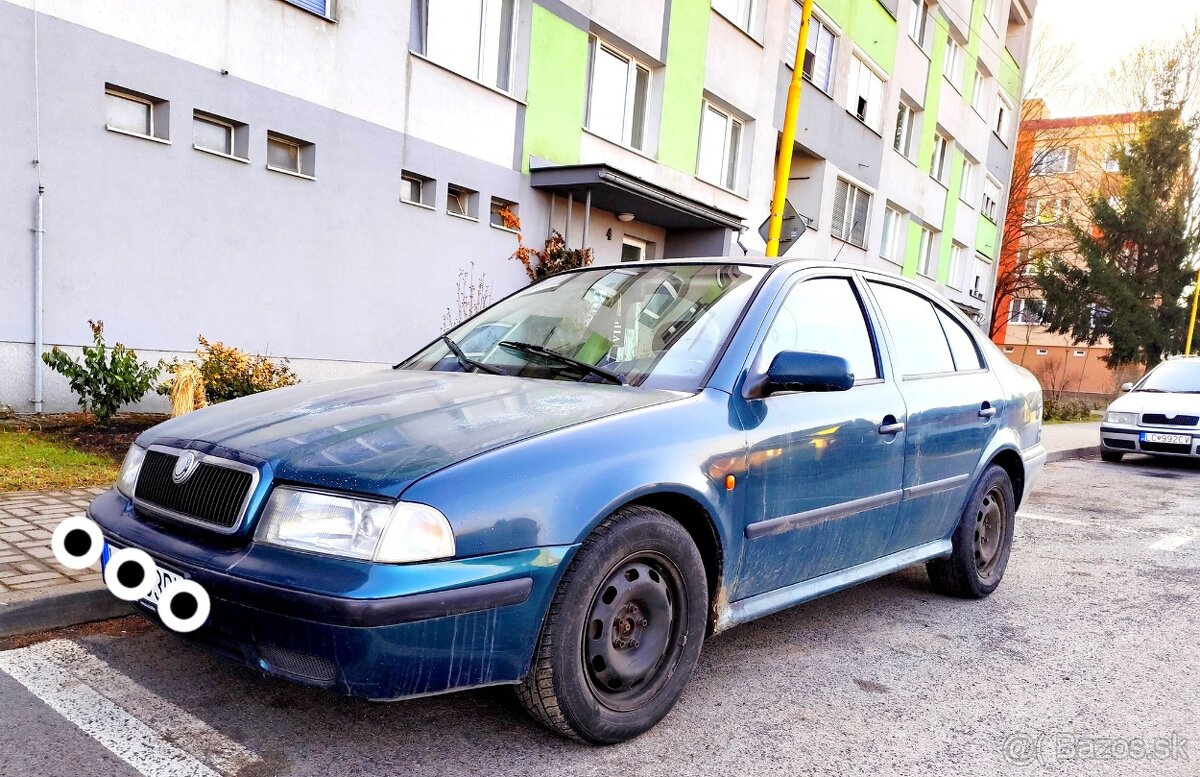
(1160,414)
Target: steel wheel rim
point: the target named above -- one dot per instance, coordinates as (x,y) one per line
(631,637)
(991,529)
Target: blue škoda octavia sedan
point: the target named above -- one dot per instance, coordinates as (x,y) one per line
(568,492)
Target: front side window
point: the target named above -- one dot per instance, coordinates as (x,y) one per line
(619,95)
(823,315)
(720,144)
(866,94)
(471,37)
(658,326)
(851,209)
(919,342)
(962,345)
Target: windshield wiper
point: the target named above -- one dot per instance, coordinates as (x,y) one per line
(1153,390)
(539,350)
(467,362)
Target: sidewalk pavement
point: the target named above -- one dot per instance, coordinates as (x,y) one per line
(37,593)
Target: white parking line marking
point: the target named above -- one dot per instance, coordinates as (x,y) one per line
(104,704)
(1077,522)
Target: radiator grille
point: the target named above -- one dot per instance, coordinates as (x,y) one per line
(214,494)
(1166,447)
(1158,419)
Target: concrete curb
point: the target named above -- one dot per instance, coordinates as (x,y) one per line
(22,612)
(1072,453)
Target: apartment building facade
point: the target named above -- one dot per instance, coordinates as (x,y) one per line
(307,178)
(1061,163)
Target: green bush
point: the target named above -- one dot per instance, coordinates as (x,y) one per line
(106,379)
(1065,409)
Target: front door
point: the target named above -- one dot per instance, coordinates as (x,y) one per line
(953,403)
(823,471)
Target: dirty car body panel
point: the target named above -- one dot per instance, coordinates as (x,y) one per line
(788,496)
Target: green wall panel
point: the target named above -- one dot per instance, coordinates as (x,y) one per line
(1010,77)
(868,24)
(986,236)
(557,92)
(683,84)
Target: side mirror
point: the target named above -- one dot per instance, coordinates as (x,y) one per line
(1126,387)
(807,371)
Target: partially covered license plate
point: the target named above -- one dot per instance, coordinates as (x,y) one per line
(1167,439)
(162,577)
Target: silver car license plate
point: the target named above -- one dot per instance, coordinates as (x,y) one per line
(1167,439)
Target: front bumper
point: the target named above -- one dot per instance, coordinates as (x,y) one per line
(365,630)
(1128,439)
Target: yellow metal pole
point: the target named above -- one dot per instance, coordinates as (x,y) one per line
(1192,324)
(783,165)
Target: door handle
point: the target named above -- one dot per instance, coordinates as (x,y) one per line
(987,411)
(890,425)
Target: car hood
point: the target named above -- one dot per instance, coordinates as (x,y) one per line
(379,432)
(1150,402)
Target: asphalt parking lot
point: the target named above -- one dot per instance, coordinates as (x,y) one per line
(1083,662)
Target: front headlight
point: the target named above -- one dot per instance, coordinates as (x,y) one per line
(130,469)
(1121,419)
(389,532)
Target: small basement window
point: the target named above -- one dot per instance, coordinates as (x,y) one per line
(1009,349)
(1081,353)
(499,206)
(416,189)
(291,155)
(462,202)
(1042,352)
(221,136)
(134,113)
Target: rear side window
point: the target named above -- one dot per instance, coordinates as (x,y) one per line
(823,315)
(920,343)
(962,346)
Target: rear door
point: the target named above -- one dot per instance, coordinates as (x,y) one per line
(953,403)
(822,480)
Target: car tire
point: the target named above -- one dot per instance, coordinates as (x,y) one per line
(982,541)
(1113,457)
(623,632)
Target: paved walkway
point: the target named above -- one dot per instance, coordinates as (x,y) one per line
(1060,438)
(27,519)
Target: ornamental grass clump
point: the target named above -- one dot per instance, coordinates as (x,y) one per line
(222,373)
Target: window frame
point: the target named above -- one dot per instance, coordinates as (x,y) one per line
(817,23)
(991,213)
(512,205)
(957,252)
(854,192)
(873,116)
(305,156)
(925,252)
(952,63)
(979,93)
(1003,116)
(633,64)
(919,18)
(939,165)
(896,237)
(966,180)
(750,7)
(731,173)
(905,130)
(231,128)
(327,14)
(158,116)
(426,183)
(470,204)
(421,22)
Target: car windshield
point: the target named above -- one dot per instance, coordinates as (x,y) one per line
(658,326)
(1174,376)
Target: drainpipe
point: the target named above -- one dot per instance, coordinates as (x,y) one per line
(38,345)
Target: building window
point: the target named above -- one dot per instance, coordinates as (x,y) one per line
(940,167)
(620,92)
(891,245)
(133,113)
(991,198)
(217,135)
(471,37)
(851,208)
(720,146)
(818,51)
(740,12)
(1054,161)
(925,253)
(1042,352)
(499,209)
(319,7)
(1026,311)
(1003,116)
(979,93)
(462,202)
(906,119)
(956,255)
(866,94)
(632,249)
(290,155)
(416,189)
(1009,349)
(1081,353)
(952,64)
(918,21)
(966,184)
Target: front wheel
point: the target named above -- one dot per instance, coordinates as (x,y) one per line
(982,540)
(623,633)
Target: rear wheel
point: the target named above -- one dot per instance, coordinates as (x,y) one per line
(1111,456)
(623,633)
(981,542)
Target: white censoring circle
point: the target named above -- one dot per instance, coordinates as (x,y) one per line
(147,732)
